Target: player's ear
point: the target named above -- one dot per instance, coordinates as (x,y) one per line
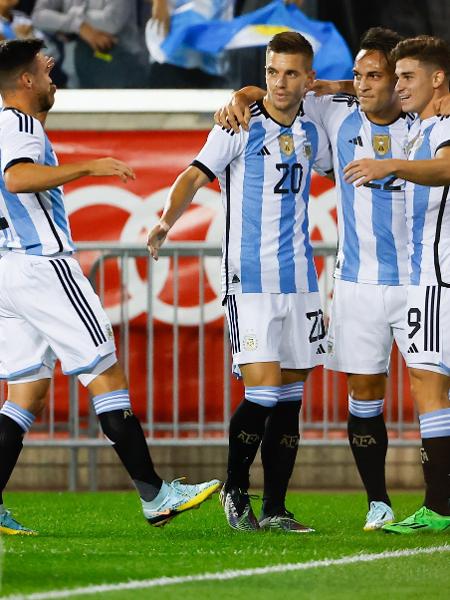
(26,80)
(438,78)
(310,80)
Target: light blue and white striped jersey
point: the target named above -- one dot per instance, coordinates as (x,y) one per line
(38,221)
(264,175)
(428,210)
(371,219)
(5,235)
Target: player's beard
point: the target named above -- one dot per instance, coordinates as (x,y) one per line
(46,101)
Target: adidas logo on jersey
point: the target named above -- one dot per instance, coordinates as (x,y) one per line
(263,152)
(321,350)
(412,349)
(235,279)
(357,141)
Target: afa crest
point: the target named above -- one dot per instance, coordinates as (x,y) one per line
(381,144)
(286,144)
(307,150)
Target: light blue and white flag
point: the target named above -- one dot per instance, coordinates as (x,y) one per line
(195,41)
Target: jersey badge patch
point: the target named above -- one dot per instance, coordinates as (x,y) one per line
(381,144)
(250,342)
(286,142)
(307,150)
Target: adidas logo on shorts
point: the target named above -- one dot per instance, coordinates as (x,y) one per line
(412,349)
(321,350)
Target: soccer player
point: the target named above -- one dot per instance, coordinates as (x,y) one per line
(47,307)
(423,70)
(269,281)
(371,267)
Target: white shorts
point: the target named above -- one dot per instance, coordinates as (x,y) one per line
(48,309)
(427,328)
(284,328)
(365,318)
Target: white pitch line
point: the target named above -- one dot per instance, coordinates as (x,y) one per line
(226,575)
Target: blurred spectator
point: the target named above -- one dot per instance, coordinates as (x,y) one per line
(247,66)
(408,17)
(190,71)
(101,40)
(26,6)
(13,23)
(416,17)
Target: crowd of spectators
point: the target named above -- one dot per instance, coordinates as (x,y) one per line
(100,43)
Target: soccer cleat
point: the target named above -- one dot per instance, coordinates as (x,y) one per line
(180,497)
(284,521)
(238,510)
(379,514)
(10,526)
(423,520)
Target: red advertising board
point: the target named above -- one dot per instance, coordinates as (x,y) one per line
(108,210)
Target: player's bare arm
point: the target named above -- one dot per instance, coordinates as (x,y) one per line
(29,177)
(324,87)
(434,172)
(236,113)
(180,196)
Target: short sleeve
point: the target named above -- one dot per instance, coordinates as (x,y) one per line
(323,162)
(328,110)
(441,134)
(221,147)
(20,139)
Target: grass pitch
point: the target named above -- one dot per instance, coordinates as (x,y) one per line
(91,539)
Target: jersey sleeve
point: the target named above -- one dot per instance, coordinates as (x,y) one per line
(319,109)
(220,149)
(328,110)
(20,140)
(323,161)
(441,134)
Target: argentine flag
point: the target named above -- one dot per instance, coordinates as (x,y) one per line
(195,41)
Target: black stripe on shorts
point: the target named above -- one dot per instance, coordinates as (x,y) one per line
(75,301)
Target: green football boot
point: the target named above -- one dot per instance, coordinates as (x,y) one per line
(423,520)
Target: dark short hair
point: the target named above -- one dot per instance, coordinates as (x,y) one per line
(16,57)
(291,42)
(381,39)
(426,49)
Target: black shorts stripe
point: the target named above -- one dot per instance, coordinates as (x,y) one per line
(431,337)
(232,327)
(57,269)
(438,309)
(84,304)
(433,317)
(236,323)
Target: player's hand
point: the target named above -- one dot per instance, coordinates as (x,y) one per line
(235,114)
(104,167)
(155,239)
(364,170)
(322,87)
(442,106)
(161,16)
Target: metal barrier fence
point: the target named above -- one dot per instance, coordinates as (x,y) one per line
(135,293)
